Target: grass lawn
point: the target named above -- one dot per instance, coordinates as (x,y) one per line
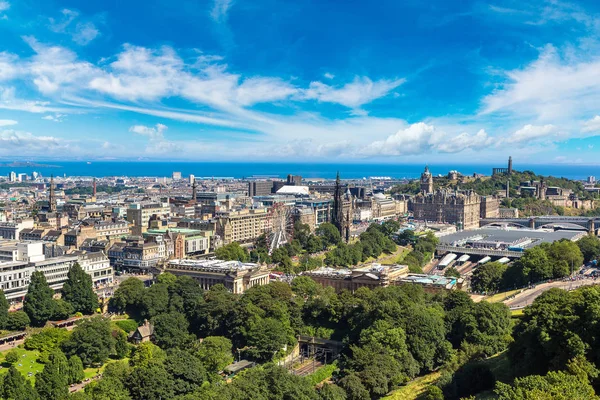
(27,362)
(395,257)
(91,372)
(500,366)
(415,388)
(501,296)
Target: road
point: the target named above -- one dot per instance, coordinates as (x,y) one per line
(527,297)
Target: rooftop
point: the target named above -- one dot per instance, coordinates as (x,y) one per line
(212,264)
(509,235)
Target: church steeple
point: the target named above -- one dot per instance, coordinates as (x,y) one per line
(194,189)
(51,197)
(337,217)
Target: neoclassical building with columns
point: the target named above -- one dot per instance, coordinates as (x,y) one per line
(234,275)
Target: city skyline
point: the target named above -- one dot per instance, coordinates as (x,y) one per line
(227,80)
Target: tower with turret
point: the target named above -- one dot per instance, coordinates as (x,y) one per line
(426,181)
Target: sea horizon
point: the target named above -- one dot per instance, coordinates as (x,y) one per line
(240,170)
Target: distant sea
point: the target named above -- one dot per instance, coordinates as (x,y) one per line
(281,170)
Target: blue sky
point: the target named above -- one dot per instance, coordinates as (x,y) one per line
(310,80)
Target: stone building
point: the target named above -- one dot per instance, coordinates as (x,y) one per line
(234,275)
(426,181)
(342,212)
(382,207)
(490,207)
(371,276)
(462,209)
(242,226)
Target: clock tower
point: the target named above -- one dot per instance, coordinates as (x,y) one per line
(426,181)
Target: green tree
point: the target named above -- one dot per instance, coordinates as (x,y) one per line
(187,371)
(314,244)
(305,286)
(329,234)
(330,391)
(232,251)
(270,382)
(46,340)
(78,290)
(590,247)
(92,341)
(76,374)
(354,388)
(215,353)
(128,295)
(452,273)
(18,321)
(434,393)
(488,277)
(61,310)
(267,337)
(146,353)
(150,382)
(565,256)
(556,385)
(122,347)
(16,387)
(52,382)
(155,300)
(39,304)
(11,357)
(390,227)
(171,330)
(3,311)
(535,264)
(468,380)
(167,278)
(107,388)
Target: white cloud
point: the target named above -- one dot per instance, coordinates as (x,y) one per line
(82,33)
(55,67)
(155,133)
(328,75)
(14,142)
(157,144)
(9,101)
(4,6)
(85,32)
(261,90)
(8,68)
(220,9)
(68,16)
(417,138)
(549,88)
(530,133)
(464,141)
(592,125)
(422,138)
(8,122)
(360,91)
(54,117)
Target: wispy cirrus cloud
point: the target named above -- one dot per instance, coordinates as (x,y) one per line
(82,32)
(54,117)
(4,6)
(220,9)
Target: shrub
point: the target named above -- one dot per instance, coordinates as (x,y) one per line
(127,325)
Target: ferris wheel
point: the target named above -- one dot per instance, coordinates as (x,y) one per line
(280,226)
